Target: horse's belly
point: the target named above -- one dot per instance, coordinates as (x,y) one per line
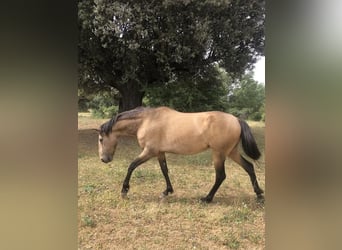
(185,148)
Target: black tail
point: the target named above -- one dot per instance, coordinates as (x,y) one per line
(248,142)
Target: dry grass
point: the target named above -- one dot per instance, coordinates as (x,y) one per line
(234,220)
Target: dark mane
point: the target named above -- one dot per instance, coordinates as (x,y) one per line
(106,128)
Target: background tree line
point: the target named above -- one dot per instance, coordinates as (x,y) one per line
(190,55)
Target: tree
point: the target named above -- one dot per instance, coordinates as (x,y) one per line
(207,92)
(136,45)
(247,98)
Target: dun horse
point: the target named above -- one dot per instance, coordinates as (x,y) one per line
(164,130)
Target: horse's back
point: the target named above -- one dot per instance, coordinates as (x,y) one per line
(187,133)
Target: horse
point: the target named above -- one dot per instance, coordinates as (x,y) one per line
(164,130)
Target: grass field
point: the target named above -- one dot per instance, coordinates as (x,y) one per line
(234,220)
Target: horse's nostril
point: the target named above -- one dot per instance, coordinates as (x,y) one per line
(106,159)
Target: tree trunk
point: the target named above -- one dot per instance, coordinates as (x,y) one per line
(131,97)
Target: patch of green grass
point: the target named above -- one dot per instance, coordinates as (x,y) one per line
(88,221)
(89,188)
(147,174)
(232,242)
(255,238)
(238,215)
(202,159)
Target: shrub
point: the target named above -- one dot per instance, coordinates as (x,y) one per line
(103,105)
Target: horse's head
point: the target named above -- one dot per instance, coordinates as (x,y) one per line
(107,145)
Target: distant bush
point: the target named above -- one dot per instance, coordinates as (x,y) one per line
(104,112)
(247,99)
(83,104)
(103,105)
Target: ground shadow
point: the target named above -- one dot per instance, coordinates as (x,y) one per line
(248,200)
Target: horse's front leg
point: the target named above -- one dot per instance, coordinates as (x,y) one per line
(165,171)
(143,157)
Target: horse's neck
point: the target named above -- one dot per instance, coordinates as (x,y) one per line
(127,127)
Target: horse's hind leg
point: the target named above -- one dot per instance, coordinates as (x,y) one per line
(219,160)
(248,167)
(164,169)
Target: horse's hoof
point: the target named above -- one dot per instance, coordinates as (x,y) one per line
(260,198)
(162,196)
(124,196)
(205,200)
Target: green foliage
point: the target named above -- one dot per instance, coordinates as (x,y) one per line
(82,101)
(246,99)
(262,112)
(103,105)
(104,112)
(207,91)
(134,45)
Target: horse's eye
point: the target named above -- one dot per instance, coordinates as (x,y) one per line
(101,140)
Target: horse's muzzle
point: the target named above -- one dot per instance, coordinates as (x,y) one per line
(106,159)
